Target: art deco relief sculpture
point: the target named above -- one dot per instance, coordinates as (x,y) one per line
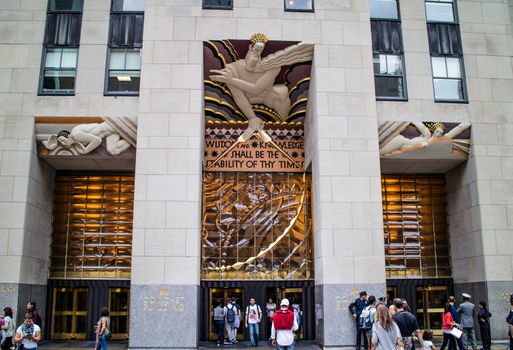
(393,143)
(251,80)
(119,133)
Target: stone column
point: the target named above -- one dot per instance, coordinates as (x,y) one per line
(165,268)
(342,147)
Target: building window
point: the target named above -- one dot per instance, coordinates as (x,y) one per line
(60,47)
(125,43)
(218,4)
(446,51)
(92,226)
(440,11)
(299,5)
(387,49)
(415,227)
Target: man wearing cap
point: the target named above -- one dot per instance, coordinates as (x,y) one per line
(356,308)
(283,325)
(466,311)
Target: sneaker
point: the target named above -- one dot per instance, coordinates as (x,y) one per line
(227,342)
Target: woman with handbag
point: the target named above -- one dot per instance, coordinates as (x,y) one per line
(103,330)
(385,333)
(447,325)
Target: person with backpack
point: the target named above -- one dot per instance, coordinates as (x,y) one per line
(368,317)
(8,329)
(103,329)
(230,312)
(253,318)
(219,322)
(356,308)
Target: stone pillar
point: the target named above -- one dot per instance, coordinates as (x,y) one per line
(165,268)
(341,144)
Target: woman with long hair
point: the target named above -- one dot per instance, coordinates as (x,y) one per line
(103,329)
(447,326)
(483,318)
(385,333)
(8,329)
(32,309)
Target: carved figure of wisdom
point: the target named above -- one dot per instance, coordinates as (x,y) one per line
(251,80)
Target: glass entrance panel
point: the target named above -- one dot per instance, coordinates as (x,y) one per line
(69,314)
(119,299)
(430,307)
(222,295)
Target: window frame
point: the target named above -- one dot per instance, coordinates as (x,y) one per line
(108,70)
(285,9)
(463,78)
(398,19)
(213,7)
(110,47)
(49,10)
(403,64)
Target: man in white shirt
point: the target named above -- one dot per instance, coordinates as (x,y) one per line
(28,333)
(283,327)
(253,318)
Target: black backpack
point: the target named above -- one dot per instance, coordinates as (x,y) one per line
(230,314)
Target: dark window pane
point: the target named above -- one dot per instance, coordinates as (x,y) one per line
(299,5)
(63,29)
(439,12)
(448,89)
(386,37)
(218,4)
(126,30)
(383,9)
(55,80)
(444,39)
(123,81)
(66,5)
(128,5)
(389,87)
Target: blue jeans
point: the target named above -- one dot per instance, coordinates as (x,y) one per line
(281,347)
(253,329)
(220,330)
(103,343)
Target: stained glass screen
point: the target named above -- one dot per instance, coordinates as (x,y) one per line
(256,226)
(415,226)
(92,235)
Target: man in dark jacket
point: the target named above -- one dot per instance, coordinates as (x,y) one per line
(407,324)
(356,308)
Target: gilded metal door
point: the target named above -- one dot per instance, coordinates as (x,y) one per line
(430,307)
(222,294)
(295,296)
(69,313)
(119,306)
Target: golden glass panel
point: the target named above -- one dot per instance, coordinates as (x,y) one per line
(92,235)
(415,226)
(256,226)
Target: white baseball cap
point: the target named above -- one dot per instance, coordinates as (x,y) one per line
(285,302)
(465,295)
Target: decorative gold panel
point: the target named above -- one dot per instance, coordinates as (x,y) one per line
(92,236)
(256,226)
(415,225)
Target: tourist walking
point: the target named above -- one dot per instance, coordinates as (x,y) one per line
(283,326)
(8,329)
(447,325)
(253,317)
(368,317)
(270,309)
(298,314)
(483,318)
(103,329)
(32,309)
(28,334)
(219,322)
(407,324)
(385,332)
(427,337)
(356,308)
(466,310)
(456,318)
(230,311)
(238,317)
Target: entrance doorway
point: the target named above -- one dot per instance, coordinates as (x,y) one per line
(69,314)
(301,292)
(430,302)
(119,305)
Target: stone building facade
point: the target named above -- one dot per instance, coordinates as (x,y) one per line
(341,153)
